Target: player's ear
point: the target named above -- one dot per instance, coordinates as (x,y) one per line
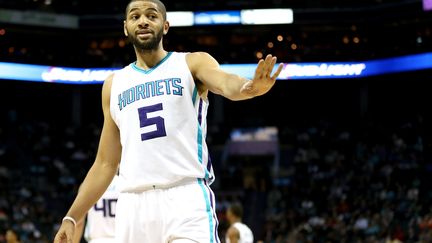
(166,27)
(124,28)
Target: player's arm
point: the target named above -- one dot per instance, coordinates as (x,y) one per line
(233,235)
(100,174)
(207,70)
(79,229)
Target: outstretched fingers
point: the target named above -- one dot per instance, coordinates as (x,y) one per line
(260,68)
(278,71)
(270,62)
(265,68)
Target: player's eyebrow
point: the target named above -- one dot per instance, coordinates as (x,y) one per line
(147,9)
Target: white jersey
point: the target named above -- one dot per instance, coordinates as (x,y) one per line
(100,223)
(162,123)
(246,235)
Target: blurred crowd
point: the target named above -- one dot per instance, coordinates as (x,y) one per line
(365,182)
(237,44)
(41,167)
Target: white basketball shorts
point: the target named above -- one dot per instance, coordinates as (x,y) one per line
(185,212)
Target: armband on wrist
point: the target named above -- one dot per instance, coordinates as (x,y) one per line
(70,219)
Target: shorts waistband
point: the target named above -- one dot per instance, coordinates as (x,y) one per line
(182,182)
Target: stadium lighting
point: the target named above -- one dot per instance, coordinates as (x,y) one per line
(267,16)
(223,17)
(181,18)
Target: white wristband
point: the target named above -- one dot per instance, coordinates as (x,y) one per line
(70,219)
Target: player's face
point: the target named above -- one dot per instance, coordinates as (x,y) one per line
(144,25)
(229,215)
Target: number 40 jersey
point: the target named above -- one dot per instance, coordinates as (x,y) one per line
(162,122)
(100,221)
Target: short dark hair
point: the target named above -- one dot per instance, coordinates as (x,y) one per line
(236,209)
(159,4)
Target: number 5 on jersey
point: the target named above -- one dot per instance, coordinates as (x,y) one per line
(145,121)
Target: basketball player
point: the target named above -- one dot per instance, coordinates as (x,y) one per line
(100,220)
(155,127)
(238,232)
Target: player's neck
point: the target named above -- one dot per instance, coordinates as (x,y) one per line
(235,221)
(150,58)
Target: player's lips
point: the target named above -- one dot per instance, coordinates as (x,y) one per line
(144,33)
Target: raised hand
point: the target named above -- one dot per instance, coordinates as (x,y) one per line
(262,81)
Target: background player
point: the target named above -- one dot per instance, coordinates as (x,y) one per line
(100,220)
(238,232)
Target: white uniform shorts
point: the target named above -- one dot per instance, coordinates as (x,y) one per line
(184,213)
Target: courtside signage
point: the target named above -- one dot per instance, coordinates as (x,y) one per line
(328,70)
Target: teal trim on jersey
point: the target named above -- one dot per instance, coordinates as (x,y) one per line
(194,95)
(199,136)
(208,209)
(134,66)
(199,140)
